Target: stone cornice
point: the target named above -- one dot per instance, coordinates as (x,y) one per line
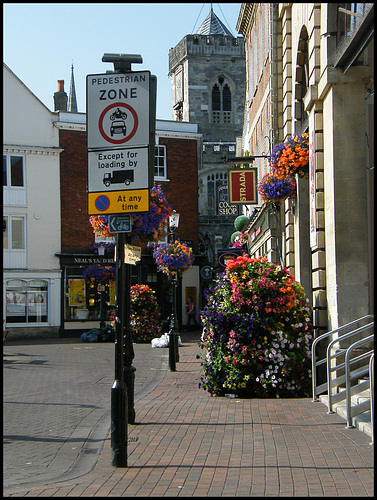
(24,149)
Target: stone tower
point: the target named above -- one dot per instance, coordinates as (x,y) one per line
(207,71)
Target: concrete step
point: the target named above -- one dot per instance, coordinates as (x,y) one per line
(361,422)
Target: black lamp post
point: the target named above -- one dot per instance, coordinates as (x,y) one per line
(173,332)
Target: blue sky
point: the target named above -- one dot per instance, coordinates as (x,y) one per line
(42,40)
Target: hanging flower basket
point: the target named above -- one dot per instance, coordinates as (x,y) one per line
(257,332)
(150,227)
(173,258)
(100,225)
(109,248)
(145,319)
(240,240)
(100,273)
(291,157)
(146,227)
(274,190)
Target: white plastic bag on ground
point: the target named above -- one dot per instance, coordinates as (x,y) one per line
(163,341)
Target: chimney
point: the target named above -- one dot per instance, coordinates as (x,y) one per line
(60,97)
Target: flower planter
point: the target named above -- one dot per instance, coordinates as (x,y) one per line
(257,332)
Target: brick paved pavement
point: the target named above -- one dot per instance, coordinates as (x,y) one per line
(187,443)
(56,404)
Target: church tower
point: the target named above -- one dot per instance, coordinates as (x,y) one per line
(207,71)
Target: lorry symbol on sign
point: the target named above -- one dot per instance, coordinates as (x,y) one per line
(118,177)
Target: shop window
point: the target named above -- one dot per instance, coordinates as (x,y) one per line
(83,296)
(26,301)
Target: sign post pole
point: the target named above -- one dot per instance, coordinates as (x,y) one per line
(119,399)
(120,144)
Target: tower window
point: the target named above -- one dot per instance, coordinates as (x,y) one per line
(221,101)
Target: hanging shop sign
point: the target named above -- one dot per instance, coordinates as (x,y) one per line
(223,207)
(242,185)
(225,254)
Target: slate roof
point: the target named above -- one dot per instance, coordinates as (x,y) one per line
(213,26)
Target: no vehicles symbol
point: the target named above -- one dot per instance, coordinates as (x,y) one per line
(118,123)
(102,203)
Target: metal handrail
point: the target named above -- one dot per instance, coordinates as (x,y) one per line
(335,382)
(356,410)
(371,389)
(323,387)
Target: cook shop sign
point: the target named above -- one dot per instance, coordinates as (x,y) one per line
(118,110)
(243,186)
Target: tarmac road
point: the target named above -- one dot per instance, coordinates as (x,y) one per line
(56,404)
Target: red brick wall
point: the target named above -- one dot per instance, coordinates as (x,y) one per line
(182,190)
(77,233)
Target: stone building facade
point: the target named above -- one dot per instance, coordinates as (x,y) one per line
(176,144)
(318,79)
(207,71)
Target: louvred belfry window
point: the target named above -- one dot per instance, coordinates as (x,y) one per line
(221,102)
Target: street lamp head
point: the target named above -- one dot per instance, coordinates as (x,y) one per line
(173,221)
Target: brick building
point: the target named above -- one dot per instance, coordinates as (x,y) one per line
(178,150)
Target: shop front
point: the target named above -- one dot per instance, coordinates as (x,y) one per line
(88,292)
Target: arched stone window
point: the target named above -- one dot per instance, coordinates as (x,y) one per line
(302,81)
(221,101)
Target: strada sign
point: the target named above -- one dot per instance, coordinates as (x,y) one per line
(242,185)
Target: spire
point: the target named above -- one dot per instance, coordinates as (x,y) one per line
(212,26)
(72,102)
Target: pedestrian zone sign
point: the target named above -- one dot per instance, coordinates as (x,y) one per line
(118,107)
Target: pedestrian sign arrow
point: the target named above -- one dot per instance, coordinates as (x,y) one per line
(119,223)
